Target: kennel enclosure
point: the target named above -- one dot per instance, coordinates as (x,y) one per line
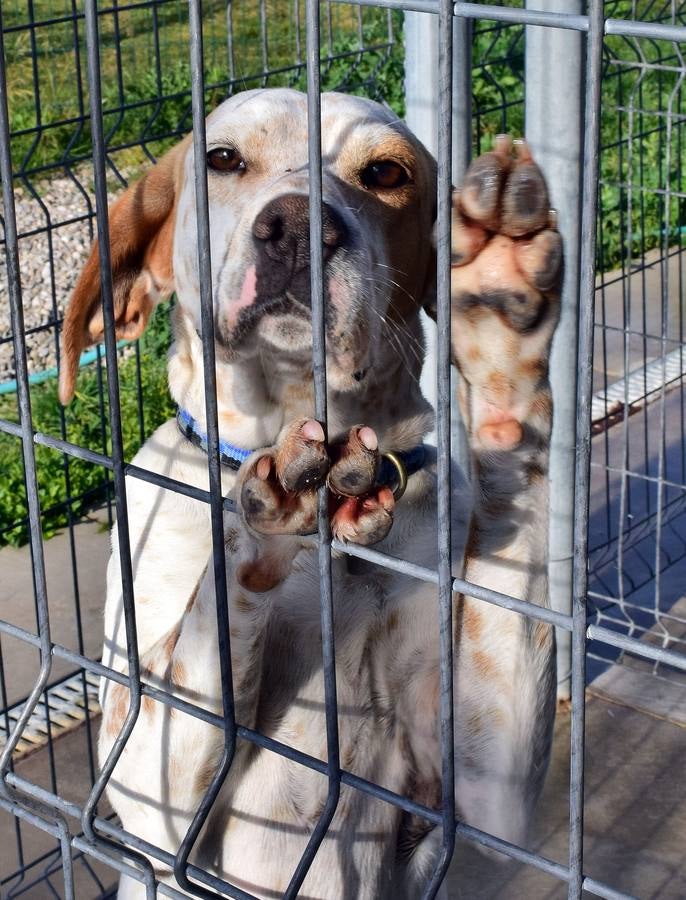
(612,150)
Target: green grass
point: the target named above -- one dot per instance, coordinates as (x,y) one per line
(144,102)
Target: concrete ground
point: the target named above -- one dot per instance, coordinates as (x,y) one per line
(635,814)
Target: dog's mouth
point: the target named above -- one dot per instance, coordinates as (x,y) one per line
(281,327)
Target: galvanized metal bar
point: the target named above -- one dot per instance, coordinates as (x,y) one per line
(535,16)
(130,469)
(669,166)
(599,889)
(145,875)
(26,427)
(31,484)
(553,131)
(421,573)
(461,157)
(594,51)
(93,61)
(444,463)
(317,294)
(636,647)
(517,16)
(649,30)
(196,62)
(48,819)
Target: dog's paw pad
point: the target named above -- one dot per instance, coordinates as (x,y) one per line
(354,462)
(483,185)
(364,520)
(540,258)
(270,509)
(525,201)
(302,462)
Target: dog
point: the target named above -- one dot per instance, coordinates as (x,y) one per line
(379,189)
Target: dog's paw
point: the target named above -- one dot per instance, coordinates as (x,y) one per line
(506,272)
(278,488)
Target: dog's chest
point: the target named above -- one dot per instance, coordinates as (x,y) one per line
(379,622)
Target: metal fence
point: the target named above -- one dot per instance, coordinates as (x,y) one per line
(628,452)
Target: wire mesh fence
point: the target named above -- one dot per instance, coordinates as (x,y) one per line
(636,546)
(634,400)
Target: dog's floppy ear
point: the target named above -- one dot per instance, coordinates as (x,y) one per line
(141,224)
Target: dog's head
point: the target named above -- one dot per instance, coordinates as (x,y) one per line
(378,186)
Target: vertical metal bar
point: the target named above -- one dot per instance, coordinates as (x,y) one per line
(443,348)
(230,46)
(31,480)
(24,403)
(214,465)
(625,164)
(553,129)
(462,97)
(594,51)
(664,323)
(314,145)
(93,59)
(461,155)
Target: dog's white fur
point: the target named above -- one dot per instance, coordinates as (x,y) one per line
(386,625)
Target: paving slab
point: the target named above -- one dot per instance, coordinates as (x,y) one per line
(635,814)
(75,604)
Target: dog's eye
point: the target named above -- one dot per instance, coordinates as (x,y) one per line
(385,175)
(225,159)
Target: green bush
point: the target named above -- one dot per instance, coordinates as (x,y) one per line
(86,422)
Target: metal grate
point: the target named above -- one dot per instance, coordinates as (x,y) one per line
(62,709)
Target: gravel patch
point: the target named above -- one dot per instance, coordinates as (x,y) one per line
(47,217)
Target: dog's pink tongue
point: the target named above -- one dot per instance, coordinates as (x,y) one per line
(246,297)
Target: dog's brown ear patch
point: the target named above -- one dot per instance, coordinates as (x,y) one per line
(141,224)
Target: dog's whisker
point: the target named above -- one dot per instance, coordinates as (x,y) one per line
(395,338)
(391,268)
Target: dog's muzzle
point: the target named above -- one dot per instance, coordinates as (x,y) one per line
(282,237)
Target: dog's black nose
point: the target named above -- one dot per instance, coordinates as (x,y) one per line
(282,235)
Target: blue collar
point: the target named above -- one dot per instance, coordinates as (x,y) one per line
(229,456)
(232,457)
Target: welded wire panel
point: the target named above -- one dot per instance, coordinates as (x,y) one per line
(128,71)
(637,550)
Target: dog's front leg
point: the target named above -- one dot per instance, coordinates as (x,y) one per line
(507,262)
(171,754)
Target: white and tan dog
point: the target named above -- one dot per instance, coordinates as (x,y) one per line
(379,190)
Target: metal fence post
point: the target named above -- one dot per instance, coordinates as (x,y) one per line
(421,115)
(553,129)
